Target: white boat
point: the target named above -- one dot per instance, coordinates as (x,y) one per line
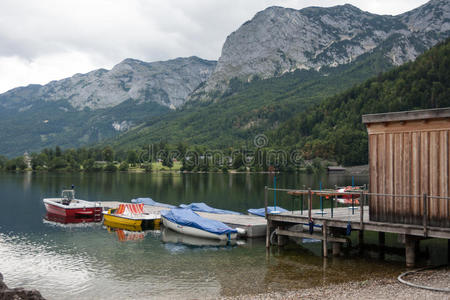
(170,236)
(186,221)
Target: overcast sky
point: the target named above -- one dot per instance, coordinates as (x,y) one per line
(46,40)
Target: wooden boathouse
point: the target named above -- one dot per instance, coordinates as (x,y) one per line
(409,155)
(408,190)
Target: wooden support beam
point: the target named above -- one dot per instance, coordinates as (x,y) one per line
(309,204)
(309,236)
(425,215)
(336,249)
(269,223)
(281,239)
(268,232)
(381,239)
(448,251)
(325,239)
(410,250)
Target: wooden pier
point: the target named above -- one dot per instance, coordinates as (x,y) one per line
(335,223)
(254,226)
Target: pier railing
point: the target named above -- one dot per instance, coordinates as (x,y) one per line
(417,205)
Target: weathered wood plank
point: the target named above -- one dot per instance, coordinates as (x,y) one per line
(443,177)
(407,115)
(433,177)
(407,204)
(389,211)
(424,163)
(373,170)
(397,207)
(415,178)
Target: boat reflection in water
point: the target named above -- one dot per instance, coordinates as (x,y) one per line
(58,219)
(129,232)
(170,236)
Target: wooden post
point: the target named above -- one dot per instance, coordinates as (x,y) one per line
(448,251)
(269,223)
(268,232)
(381,242)
(281,238)
(309,204)
(425,215)
(361,212)
(301,203)
(353,204)
(336,249)
(266,200)
(361,219)
(332,204)
(410,250)
(325,236)
(381,239)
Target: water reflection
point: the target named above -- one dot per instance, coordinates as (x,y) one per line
(65,261)
(170,236)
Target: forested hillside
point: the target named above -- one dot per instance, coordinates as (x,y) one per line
(334,130)
(247,109)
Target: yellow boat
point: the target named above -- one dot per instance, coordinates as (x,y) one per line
(111,226)
(131,215)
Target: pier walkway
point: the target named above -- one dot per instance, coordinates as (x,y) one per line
(335,223)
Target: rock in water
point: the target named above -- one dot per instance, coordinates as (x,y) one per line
(17,293)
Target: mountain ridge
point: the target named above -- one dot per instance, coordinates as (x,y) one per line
(278,40)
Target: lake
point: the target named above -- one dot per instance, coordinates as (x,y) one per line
(88,261)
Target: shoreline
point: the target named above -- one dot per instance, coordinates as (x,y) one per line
(386,288)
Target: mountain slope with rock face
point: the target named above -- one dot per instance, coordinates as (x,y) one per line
(279,40)
(87,108)
(167,83)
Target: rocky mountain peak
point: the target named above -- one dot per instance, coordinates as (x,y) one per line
(167,83)
(279,40)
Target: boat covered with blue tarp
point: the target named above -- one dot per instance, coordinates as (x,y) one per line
(185,220)
(151,202)
(262,211)
(203,207)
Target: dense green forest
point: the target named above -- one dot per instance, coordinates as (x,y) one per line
(333,129)
(159,157)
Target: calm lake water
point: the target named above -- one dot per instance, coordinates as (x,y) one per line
(87,261)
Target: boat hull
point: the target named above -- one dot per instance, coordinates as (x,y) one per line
(79,212)
(122,221)
(71,220)
(196,232)
(118,220)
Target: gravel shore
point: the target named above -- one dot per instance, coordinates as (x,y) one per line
(371,289)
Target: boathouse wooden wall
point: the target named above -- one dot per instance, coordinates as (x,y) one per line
(409,155)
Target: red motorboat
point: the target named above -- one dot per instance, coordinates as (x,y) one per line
(68,206)
(347,199)
(72,220)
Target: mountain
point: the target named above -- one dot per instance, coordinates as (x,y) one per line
(248,109)
(245,108)
(280,40)
(87,108)
(334,129)
(274,66)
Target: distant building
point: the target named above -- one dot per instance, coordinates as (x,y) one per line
(336,169)
(27,159)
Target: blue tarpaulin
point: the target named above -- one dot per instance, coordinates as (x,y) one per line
(151,202)
(202,207)
(261,211)
(187,217)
